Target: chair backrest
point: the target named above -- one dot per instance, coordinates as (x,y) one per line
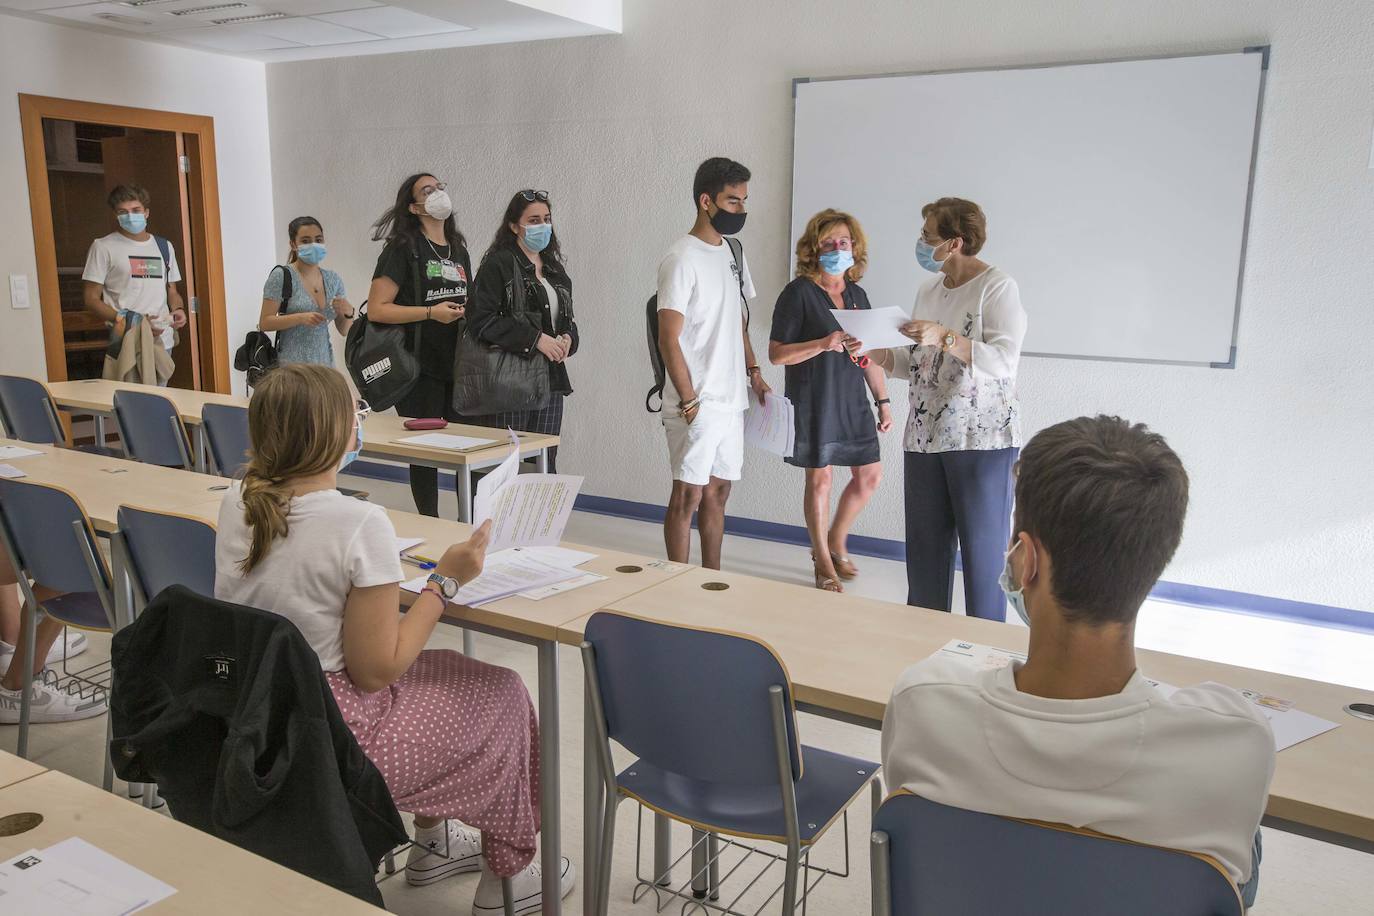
(52,537)
(151,429)
(226,429)
(949,860)
(166,549)
(27,412)
(693,702)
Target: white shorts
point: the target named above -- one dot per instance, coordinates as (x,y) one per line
(710,446)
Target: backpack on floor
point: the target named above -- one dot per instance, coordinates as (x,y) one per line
(651,329)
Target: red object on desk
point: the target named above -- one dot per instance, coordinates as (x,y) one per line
(426,423)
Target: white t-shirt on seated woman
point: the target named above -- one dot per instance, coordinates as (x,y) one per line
(334,543)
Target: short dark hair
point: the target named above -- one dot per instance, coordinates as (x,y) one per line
(957,218)
(1107,499)
(124,193)
(714,174)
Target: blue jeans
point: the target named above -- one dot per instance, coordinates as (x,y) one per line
(1250,888)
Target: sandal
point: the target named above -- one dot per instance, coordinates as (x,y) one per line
(827,584)
(844,568)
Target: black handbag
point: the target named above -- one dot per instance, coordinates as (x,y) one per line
(489,379)
(258,355)
(381,357)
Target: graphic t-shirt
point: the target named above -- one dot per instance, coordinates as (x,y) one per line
(445,272)
(134,277)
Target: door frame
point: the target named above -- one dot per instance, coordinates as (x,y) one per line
(212,322)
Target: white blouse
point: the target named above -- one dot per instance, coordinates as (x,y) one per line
(958,407)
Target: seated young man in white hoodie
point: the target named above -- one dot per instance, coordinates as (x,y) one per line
(1075,735)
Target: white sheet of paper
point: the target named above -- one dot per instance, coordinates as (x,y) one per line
(495,479)
(447,441)
(548,591)
(552,555)
(770,426)
(76,879)
(1291,726)
(404,544)
(879,329)
(10,452)
(11,472)
(525,509)
(501,580)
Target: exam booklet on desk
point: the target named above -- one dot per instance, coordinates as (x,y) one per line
(525,510)
(1291,726)
(74,878)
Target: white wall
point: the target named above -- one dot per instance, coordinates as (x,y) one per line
(37,58)
(1279,449)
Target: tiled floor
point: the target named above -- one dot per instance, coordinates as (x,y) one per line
(1299,876)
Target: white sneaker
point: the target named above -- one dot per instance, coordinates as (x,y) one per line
(525,890)
(76,644)
(49,704)
(433,859)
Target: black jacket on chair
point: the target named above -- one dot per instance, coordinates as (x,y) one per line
(227,710)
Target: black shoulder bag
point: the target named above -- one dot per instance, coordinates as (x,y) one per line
(258,355)
(381,358)
(488,379)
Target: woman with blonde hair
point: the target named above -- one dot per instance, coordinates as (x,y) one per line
(455,739)
(829,385)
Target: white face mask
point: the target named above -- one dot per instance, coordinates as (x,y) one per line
(438,205)
(1017,596)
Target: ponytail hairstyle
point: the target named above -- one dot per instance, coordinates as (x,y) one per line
(295,226)
(399,224)
(300,422)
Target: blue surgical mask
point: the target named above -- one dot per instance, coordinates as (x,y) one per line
(925,256)
(1017,596)
(351,455)
(133,222)
(836,262)
(311,252)
(537,236)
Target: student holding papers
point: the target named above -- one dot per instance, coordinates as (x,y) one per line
(829,386)
(454,738)
(1075,734)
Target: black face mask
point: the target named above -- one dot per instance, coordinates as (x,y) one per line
(727,223)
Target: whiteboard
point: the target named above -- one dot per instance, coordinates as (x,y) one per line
(1117,194)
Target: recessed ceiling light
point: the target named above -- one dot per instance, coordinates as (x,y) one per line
(260,17)
(209,9)
(141,3)
(124,20)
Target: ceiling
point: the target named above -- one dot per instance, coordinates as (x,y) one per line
(276,30)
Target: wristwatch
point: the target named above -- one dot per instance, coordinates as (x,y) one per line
(948,340)
(447,587)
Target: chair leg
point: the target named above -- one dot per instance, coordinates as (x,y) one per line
(789,881)
(713,857)
(603,855)
(108,781)
(389,862)
(26,676)
(663,849)
(507,898)
(699,868)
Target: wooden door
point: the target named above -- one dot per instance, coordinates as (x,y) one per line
(153,159)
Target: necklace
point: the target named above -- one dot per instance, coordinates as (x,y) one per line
(442,257)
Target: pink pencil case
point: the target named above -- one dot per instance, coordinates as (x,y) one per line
(425,423)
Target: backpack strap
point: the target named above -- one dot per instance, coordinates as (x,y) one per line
(288,288)
(737,255)
(164,248)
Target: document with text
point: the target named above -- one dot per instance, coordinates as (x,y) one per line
(526,510)
(771,425)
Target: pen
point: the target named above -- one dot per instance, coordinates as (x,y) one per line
(418,561)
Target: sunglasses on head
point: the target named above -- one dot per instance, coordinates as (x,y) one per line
(531,195)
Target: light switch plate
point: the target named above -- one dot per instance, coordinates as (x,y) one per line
(19,291)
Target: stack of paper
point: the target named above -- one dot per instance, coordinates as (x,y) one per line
(76,879)
(1291,726)
(525,509)
(447,441)
(404,544)
(771,425)
(10,471)
(503,578)
(10,452)
(877,329)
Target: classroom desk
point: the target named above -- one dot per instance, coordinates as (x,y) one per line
(210,875)
(844,654)
(16,769)
(538,623)
(381,432)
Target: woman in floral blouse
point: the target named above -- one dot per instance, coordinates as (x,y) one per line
(964,431)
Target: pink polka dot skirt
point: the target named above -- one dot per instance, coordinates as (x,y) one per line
(455,738)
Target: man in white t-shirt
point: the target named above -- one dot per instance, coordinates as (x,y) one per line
(1076,735)
(133,271)
(709,361)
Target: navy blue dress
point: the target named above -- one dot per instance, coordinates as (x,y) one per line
(835,422)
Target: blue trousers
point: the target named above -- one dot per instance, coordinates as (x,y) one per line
(958,499)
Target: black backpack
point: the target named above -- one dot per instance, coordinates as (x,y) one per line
(651,328)
(381,358)
(258,355)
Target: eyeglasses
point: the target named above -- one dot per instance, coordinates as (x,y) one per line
(531,195)
(431,188)
(362,409)
(840,244)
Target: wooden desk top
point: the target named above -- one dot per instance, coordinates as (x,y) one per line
(14,769)
(102,484)
(380,432)
(537,619)
(210,876)
(844,654)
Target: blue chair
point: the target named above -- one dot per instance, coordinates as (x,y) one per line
(933,860)
(226,431)
(51,541)
(151,429)
(162,549)
(28,412)
(711,719)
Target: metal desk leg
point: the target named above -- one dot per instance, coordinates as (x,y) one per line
(198,446)
(551,845)
(593,791)
(464,487)
(541,461)
(469,649)
(99,430)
